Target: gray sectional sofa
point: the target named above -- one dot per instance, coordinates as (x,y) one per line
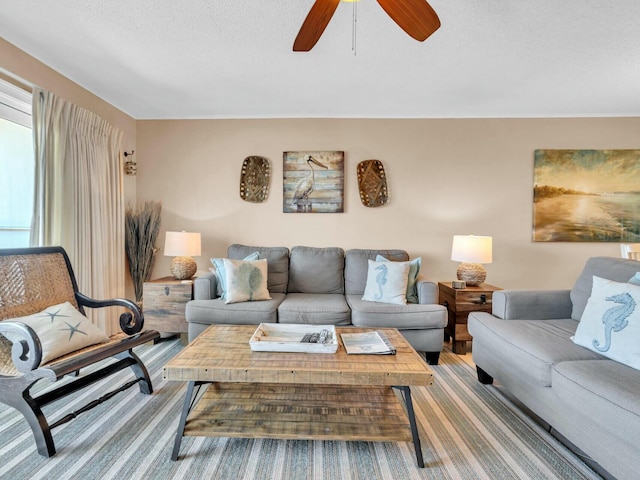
(322,286)
(526,345)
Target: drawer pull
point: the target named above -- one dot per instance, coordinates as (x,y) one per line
(166,290)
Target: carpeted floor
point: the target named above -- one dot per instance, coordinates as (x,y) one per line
(468,431)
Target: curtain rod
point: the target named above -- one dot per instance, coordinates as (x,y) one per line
(16,80)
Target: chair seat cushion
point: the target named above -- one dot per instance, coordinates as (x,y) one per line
(314,308)
(410,316)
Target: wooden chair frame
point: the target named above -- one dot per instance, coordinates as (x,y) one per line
(31,280)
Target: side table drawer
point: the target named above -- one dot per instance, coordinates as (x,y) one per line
(459,303)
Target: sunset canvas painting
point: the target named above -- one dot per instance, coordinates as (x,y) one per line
(586,196)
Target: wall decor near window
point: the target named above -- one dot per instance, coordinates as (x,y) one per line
(586,196)
(313,182)
(254,179)
(372,183)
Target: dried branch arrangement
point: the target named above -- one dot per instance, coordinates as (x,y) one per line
(141,231)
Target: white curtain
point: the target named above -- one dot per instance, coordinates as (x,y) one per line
(79,198)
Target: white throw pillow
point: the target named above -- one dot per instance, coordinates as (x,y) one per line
(61,329)
(221,274)
(246,280)
(387,282)
(610,324)
(414,270)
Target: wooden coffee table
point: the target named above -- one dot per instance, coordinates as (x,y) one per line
(319,396)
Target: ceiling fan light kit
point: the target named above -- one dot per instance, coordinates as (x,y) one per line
(415,17)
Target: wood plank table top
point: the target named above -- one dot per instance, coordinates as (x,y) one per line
(222,354)
(316,396)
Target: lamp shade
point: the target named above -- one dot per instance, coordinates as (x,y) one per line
(472,249)
(182,244)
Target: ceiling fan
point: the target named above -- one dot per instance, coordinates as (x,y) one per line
(416,17)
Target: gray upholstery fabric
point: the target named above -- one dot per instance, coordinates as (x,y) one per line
(315,308)
(590,400)
(602,383)
(531,304)
(411,316)
(215,311)
(602,396)
(277,264)
(316,270)
(307,286)
(429,340)
(616,269)
(205,286)
(427,291)
(531,346)
(356,267)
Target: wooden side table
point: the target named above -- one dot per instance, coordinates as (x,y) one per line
(460,302)
(164,303)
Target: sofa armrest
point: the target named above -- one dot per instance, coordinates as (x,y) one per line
(531,304)
(427,292)
(204,286)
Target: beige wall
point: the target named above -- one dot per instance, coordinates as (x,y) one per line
(445,177)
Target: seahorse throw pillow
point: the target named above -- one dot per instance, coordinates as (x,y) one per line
(387,282)
(246,280)
(610,324)
(414,270)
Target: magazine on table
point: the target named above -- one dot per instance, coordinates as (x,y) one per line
(367,343)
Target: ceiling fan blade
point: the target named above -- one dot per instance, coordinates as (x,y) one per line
(315,23)
(416,17)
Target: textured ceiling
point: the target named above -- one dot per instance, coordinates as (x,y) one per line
(234,58)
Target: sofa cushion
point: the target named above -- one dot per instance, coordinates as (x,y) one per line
(356,267)
(277,263)
(315,308)
(610,324)
(600,385)
(605,395)
(530,346)
(387,282)
(616,269)
(414,270)
(316,270)
(246,280)
(212,312)
(403,317)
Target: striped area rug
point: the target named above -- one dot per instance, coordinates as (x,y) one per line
(468,431)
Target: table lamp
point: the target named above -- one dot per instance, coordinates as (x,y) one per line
(472,251)
(182,246)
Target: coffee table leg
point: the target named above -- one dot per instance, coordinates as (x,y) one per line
(406,394)
(189,403)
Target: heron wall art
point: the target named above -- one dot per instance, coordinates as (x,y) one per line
(313,182)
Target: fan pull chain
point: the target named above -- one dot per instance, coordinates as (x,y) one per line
(354,29)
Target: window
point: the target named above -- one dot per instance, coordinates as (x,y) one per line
(16,166)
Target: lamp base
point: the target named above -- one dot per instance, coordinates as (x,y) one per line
(183,268)
(473,274)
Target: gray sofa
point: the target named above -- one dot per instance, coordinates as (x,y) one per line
(322,286)
(592,401)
